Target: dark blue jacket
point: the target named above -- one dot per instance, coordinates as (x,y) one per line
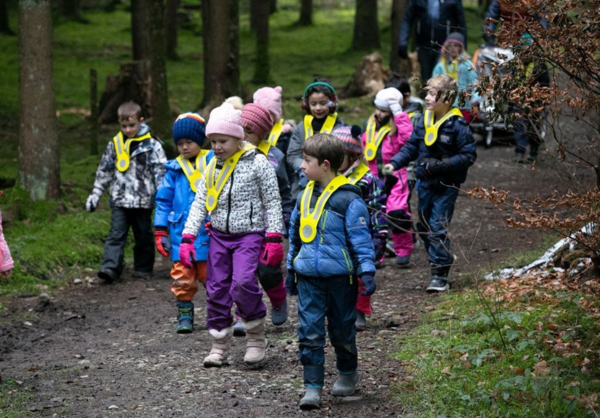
(431,33)
(342,245)
(455,145)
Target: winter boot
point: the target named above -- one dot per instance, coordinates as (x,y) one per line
(403,262)
(256,342)
(361,321)
(185,316)
(279,314)
(220,348)
(345,385)
(438,284)
(311,399)
(238,329)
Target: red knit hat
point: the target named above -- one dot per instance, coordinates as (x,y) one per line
(257,118)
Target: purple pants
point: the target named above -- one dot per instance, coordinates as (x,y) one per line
(232,262)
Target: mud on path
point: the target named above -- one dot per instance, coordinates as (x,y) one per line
(100,351)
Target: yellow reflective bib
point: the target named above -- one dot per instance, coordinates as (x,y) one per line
(213,189)
(194,175)
(374,139)
(264,147)
(122,149)
(431,129)
(326,129)
(528,70)
(310,219)
(411,114)
(275,133)
(453,70)
(358,173)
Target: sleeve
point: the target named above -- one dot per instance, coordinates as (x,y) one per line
(6,261)
(410,151)
(106,170)
(164,199)
(405,26)
(198,212)
(294,152)
(269,193)
(295,241)
(467,150)
(158,163)
(493,12)
(359,237)
(462,23)
(543,78)
(404,128)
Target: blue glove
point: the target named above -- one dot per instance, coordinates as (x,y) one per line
(290,284)
(368,281)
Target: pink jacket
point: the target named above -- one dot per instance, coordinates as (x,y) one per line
(390,146)
(6,261)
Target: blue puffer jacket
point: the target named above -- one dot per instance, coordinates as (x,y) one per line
(455,145)
(342,245)
(173,201)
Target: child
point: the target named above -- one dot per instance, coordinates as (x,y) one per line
(257,123)
(133,167)
(239,192)
(270,98)
(173,200)
(444,151)
(356,170)
(386,133)
(319,102)
(455,63)
(330,245)
(411,104)
(6,261)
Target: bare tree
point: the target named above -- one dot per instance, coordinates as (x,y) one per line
(366,28)
(171,27)
(39,159)
(261,15)
(306,13)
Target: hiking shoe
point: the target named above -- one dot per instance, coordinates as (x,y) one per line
(279,314)
(146,275)
(389,249)
(107,275)
(311,399)
(403,262)
(238,329)
(519,158)
(361,321)
(438,284)
(185,317)
(345,385)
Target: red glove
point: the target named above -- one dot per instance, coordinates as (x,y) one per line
(162,242)
(187,252)
(272,254)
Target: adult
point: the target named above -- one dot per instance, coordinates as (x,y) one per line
(510,12)
(434,20)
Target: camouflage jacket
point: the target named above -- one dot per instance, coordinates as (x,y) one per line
(136,187)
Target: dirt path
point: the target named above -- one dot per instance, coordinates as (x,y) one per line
(96,351)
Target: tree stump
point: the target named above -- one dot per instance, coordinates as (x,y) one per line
(368,79)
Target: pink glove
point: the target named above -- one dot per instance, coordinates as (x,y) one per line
(272,254)
(187,252)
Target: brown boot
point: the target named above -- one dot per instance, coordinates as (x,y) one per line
(256,342)
(220,348)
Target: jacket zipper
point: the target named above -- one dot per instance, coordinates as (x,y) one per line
(347,265)
(229,202)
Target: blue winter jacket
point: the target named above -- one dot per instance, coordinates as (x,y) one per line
(342,245)
(455,146)
(173,201)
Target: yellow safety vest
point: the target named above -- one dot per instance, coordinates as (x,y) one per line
(213,189)
(358,173)
(310,219)
(326,129)
(528,70)
(264,147)
(431,129)
(122,149)
(453,70)
(194,175)
(374,139)
(275,133)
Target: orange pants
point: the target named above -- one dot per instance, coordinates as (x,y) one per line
(185,285)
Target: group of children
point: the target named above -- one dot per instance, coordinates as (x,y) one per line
(222,214)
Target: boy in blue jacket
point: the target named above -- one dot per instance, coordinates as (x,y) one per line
(330,248)
(444,148)
(173,201)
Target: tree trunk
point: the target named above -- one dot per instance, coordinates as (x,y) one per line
(397,64)
(366,28)
(39,158)
(4,27)
(139,26)
(306,12)
(71,9)
(272,6)
(220,26)
(255,6)
(171,28)
(261,70)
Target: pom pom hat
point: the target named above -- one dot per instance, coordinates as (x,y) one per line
(225,120)
(270,98)
(350,137)
(383,97)
(189,126)
(257,119)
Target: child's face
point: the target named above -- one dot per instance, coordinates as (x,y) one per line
(251,137)
(382,116)
(453,50)
(431,102)
(224,146)
(188,148)
(319,105)
(312,169)
(131,126)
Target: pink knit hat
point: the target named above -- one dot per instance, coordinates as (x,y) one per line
(270,98)
(257,118)
(225,120)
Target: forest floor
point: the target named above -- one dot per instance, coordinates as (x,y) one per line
(94,350)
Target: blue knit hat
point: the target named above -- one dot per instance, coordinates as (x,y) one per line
(189,126)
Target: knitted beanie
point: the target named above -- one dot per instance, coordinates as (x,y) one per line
(270,98)
(189,126)
(455,38)
(225,120)
(350,137)
(383,97)
(257,118)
